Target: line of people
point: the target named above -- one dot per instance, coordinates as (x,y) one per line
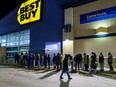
(32,60)
(90,63)
(78,61)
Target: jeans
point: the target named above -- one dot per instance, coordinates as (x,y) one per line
(111,68)
(92,69)
(101,66)
(57,64)
(63,73)
(77,64)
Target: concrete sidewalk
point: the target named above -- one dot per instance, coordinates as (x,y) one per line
(21,77)
(106,72)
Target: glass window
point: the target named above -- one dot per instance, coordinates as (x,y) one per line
(24,37)
(3,40)
(0,39)
(13,38)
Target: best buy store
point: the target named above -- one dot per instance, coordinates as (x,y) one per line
(52,26)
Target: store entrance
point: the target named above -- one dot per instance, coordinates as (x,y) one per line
(52,48)
(10,52)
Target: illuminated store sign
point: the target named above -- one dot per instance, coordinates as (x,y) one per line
(29,11)
(98,15)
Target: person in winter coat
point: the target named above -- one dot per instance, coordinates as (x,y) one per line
(41,60)
(61,60)
(45,60)
(26,60)
(54,61)
(77,62)
(93,63)
(21,58)
(86,61)
(101,61)
(37,58)
(58,61)
(16,56)
(80,61)
(48,61)
(71,61)
(110,60)
(32,58)
(65,67)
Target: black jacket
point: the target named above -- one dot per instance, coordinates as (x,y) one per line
(101,59)
(65,64)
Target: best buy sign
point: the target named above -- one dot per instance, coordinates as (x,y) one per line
(29,11)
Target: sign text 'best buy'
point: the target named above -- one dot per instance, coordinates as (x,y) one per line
(29,11)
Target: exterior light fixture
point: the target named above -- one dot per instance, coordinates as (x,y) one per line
(67,40)
(101,30)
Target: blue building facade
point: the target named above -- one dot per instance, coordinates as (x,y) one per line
(44,34)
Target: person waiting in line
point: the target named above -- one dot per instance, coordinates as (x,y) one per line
(77,62)
(32,58)
(58,61)
(65,67)
(41,60)
(21,58)
(45,60)
(37,59)
(86,61)
(26,60)
(61,60)
(110,60)
(93,63)
(48,58)
(16,56)
(54,61)
(101,62)
(80,60)
(71,61)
